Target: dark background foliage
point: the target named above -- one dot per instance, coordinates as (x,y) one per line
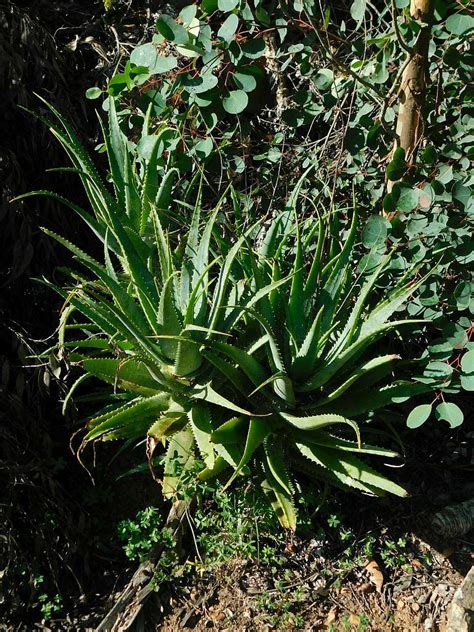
(55,533)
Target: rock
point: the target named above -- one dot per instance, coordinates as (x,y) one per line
(424,598)
(461,610)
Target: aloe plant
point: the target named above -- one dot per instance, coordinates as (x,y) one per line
(257,353)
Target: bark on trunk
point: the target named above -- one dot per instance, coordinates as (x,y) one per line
(414,81)
(413,84)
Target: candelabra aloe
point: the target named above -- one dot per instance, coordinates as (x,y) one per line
(255,353)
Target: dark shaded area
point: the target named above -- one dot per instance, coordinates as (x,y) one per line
(58,529)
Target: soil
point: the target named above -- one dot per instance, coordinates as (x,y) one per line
(241,597)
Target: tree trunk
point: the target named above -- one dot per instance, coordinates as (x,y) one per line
(414,81)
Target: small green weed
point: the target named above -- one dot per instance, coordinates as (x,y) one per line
(279,607)
(233,525)
(141,534)
(50,605)
(394,553)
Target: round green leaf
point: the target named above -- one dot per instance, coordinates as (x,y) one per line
(323,79)
(358,8)
(188,14)
(428,293)
(389,203)
(375,231)
(171,30)
(203,148)
(461,194)
(146,146)
(354,140)
(445,174)
(245,81)
(263,17)
(188,51)
(227,5)
(93,93)
(463,294)
(380,74)
(397,166)
(440,351)
(437,371)
(419,415)
(197,85)
(460,23)
(204,99)
(450,413)
(408,199)
(293,117)
(369,262)
(157,101)
(467,382)
(116,85)
(208,6)
(235,102)
(144,55)
(163,63)
(228,28)
(429,155)
(254,48)
(467,362)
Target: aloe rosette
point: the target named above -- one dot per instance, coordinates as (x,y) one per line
(256,353)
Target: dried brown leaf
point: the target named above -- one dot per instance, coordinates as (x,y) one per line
(376,576)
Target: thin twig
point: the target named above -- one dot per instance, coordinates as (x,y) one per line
(400,39)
